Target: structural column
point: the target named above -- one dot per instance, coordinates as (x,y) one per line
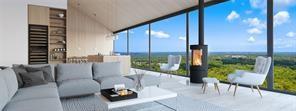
(201,22)
(127,41)
(187,44)
(270,76)
(149,52)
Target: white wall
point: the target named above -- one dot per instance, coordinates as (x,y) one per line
(14,28)
(86,36)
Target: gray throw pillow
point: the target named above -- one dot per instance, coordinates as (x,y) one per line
(46,72)
(19,69)
(33,78)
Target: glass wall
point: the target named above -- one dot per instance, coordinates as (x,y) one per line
(285,45)
(235,32)
(168,37)
(193,32)
(139,47)
(120,44)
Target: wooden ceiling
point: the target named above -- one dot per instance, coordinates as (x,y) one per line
(120,14)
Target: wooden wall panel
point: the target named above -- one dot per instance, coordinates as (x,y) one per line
(38,15)
(86,36)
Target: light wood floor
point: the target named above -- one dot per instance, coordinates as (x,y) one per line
(245,99)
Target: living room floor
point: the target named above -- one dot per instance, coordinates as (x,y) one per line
(245,99)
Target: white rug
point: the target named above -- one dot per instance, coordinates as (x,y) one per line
(182,103)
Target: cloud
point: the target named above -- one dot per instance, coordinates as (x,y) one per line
(158,34)
(182,38)
(254,31)
(232,16)
(284,3)
(255,22)
(291,34)
(281,18)
(259,4)
(251,39)
(285,42)
(249,12)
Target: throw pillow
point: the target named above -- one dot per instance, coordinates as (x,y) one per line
(33,78)
(46,72)
(19,69)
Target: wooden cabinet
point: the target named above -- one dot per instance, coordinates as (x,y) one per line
(125,61)
(52,41)
(38,15)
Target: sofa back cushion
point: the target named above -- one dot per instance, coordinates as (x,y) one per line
(74,71)
(3,92)
(106,69)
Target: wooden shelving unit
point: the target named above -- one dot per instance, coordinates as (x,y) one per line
(47,35)
(38,44)
(57,35)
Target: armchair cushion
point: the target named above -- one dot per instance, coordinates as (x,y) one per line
(249,78)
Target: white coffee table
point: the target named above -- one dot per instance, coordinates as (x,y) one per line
(149,94)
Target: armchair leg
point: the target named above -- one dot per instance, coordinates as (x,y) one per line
(205,86)
(216,87)
(252,88)
(229,86)
(259,91)
(235,89)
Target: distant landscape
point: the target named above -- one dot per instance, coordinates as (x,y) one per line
(223,63)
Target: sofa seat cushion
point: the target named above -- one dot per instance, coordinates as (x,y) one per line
(79,87)
(147,80)
(74,71)
(37,92)
(44,104)
(110,81)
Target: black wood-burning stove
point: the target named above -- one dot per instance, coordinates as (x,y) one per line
(199,63)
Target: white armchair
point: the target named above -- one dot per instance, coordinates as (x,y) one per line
(254,78)
(172,65)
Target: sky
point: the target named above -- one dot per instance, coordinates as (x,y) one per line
(233,26)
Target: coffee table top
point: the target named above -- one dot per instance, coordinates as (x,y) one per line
(148,94)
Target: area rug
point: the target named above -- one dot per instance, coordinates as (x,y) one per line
(181,103)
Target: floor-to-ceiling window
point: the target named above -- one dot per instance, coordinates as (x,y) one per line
(120,43)
(235,32)
(285,45)
(168,37)
(139,47)
(193,31)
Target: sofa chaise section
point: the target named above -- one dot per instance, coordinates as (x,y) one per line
(38,98)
